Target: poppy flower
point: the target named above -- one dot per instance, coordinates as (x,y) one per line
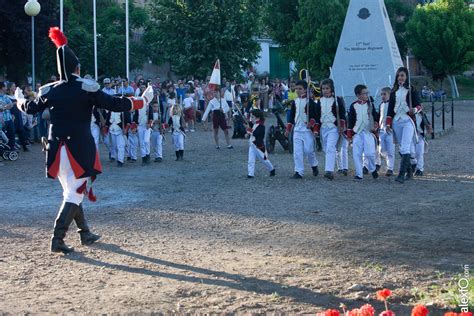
(367,310)
(450,314)
(419,310)
(382,295)
(387,313)
(331,312)
(465,314)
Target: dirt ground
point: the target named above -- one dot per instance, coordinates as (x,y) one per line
(197,236)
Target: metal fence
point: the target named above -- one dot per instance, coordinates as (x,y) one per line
(442,111)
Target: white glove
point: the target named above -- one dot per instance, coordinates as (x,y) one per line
(19,95)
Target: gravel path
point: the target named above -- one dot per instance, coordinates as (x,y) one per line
(198,236)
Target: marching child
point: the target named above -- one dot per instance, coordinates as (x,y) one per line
(132,142)
(188,105)
(176,122)
(144,133)
(302,121)
(423,127)
(156,132)
(118,125)
(362,123)
(256,135)
(386,149)
(330,123)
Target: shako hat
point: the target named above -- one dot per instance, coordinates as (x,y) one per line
(67,61)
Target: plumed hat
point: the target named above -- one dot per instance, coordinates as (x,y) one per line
(67,61)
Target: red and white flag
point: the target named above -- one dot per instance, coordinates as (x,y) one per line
(215,81)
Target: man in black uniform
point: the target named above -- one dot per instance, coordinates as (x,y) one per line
(71,154)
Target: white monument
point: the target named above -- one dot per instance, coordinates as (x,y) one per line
(367,52)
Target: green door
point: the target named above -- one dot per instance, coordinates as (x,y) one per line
(279,66)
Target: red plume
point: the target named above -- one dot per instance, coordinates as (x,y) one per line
(57,36)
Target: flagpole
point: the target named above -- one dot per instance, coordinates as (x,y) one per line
(61,14)
(94,4)
(126,41)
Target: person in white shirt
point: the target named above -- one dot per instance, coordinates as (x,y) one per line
(176,123)
(157,132)
(188,109)
(386,149)
(404,103)
(219,109)
(362,123)
(302,121)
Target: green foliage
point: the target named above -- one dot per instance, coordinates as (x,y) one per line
(441,36)
(192,34)
(315,36)
(110,35)
(399,13)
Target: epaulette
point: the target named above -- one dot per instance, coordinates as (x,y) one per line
(43,90)
(89,85)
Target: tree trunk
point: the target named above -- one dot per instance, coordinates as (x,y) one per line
(454,86)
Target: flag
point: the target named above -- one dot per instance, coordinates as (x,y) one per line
(215,81)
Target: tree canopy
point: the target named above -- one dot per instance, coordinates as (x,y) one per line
(192,34)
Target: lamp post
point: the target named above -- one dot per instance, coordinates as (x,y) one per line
(33,8)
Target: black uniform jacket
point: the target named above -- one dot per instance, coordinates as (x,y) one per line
(70,105)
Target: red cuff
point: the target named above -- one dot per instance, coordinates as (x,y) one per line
(312,122)
(250,130)
(349,133)
(165,125)
(289,127)
(388,121)
(316,128)
(418,108)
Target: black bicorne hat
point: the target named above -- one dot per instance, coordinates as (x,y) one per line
(67,61)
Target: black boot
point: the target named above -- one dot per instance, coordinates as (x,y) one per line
(65,217)
(315,171)
(181,154)
(404,162)
(87,238)
(177,155)
(410,171)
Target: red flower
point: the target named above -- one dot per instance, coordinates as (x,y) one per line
(331,312)
(367,310)
(387,313)
(465,314)
(450,314)
(354,312)
(382,295)
(419,310)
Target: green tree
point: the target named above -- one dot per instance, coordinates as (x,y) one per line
(399,13)
(315,36)
(192,34)
(441,36)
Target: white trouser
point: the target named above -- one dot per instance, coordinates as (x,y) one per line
(157,142)
(144,135)
(118,146)
(95,131)
(418,152)
(363,144)
(342,155)
(387,148)
(178,141)
(132,145)
(254,152)
(68,180)
(106,140)
(303,145)
(329,137)
(404,133)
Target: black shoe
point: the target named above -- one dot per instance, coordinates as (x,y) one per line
(218,147)
(87,237)
(119,164)
(297,176)
(111,159)
(377,168)
(159,159)
(358,178)
(329,175)
(375,174)
(389,173)
(250,177)
(418,173)
(230,147)
(272,173)
(315,171)
(129,158)
(132,161)
(339,171)
(345,172)
(365,170)
(65,216)
(409,174)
